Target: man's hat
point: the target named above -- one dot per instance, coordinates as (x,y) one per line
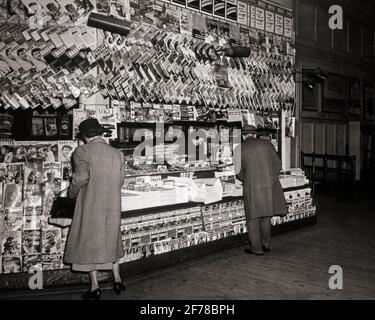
(249,129)
(90,125)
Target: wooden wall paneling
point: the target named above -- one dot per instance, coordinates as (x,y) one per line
(323,32)
(308,138)
(355,38)
(306,21)
(368,43)
(341,139)
(331,142)
(319,140)
(340,37)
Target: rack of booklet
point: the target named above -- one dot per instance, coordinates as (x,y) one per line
(31,172)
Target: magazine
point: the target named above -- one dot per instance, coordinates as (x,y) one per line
(6,152)
(11,243)
(12,219)
(31,242)
(51,241)
(11,264)
(31,261)
(33,173)
(52,261)
(51,172)
(32,195)
(33,211)
(12,195)
(50,126)
(66,171)
(66,149)
(11,173)
(48,193)
(32,222)
(37,127)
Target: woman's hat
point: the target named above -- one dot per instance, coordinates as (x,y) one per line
(249,129)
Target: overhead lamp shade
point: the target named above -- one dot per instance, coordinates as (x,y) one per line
(237,52)
(109,23)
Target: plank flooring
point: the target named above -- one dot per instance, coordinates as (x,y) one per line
(296,268)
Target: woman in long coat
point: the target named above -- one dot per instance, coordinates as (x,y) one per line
(94,240)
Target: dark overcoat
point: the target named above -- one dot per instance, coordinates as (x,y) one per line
(260,167)
(98,173)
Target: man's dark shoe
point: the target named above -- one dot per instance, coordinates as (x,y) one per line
(249,251)
(266,248)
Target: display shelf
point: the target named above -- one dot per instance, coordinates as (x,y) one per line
(163,173)
(64,278)
(302,187)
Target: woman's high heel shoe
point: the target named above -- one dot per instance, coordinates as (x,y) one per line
(118,287)
(92,295)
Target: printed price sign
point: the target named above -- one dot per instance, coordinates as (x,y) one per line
(242,13)
(288,27)
(270,22)
(259,22)
(279,24)
(252,16)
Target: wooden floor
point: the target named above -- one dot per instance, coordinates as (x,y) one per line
(296,268)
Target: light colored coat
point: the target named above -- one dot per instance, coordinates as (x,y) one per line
(260,168)
(98,173)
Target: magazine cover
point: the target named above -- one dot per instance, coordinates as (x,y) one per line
(31,242)
(12,264)
(11,173)
(6,152)
(48,151)
(30,261)
(50,126)
(48,194)
(51,172)
(12,195)
(52,261)
(37,126)
(66,149)
(32,195)
(33,173)
(32,222)
(66,171)
(51,241)
(32,211)
(11,243)
(12,219)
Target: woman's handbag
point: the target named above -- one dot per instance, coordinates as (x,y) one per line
(62,207)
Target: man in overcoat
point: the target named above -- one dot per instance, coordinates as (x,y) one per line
(263,195)
(94,240)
